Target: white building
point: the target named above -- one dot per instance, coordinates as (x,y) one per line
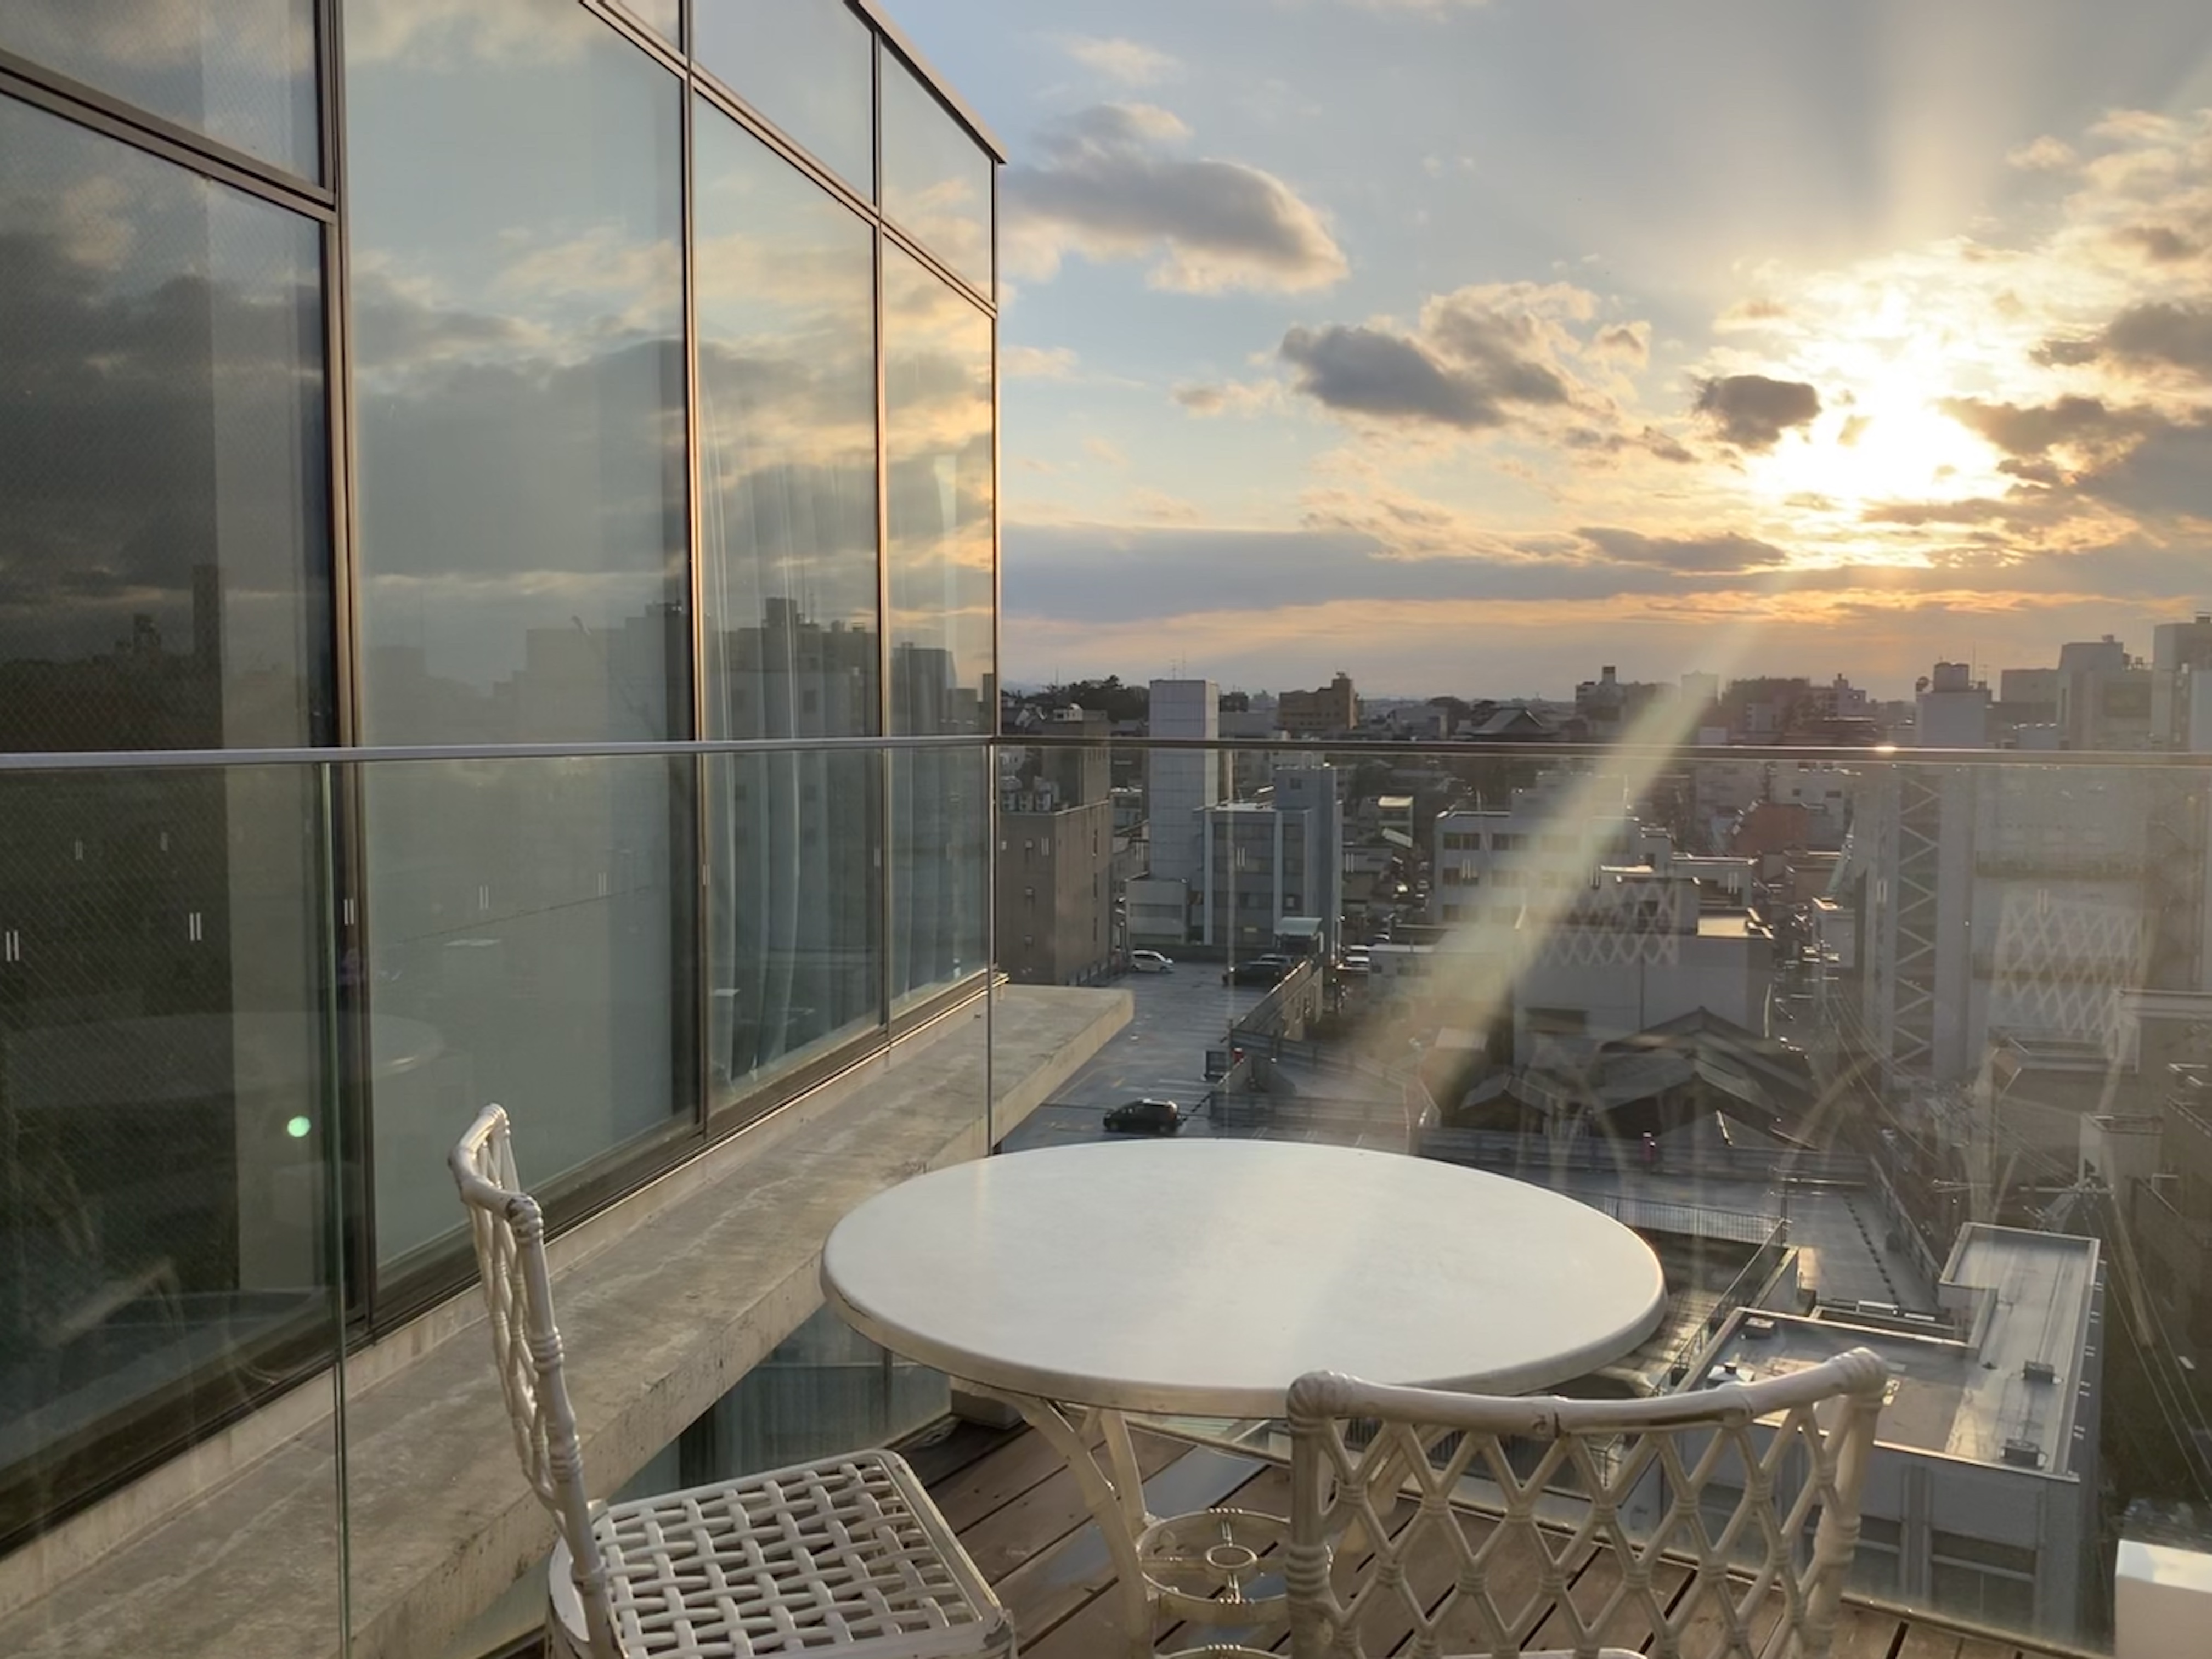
(2014,902)
(1489,864)
(1262,861)
(1953,711)
(1183,781)
(1634,950)
(1981,1498)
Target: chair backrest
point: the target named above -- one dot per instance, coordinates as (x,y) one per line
(509,1231)
(1717,1487)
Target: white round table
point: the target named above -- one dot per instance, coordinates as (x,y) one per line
(1203,1277)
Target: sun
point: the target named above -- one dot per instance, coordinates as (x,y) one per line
(1884,437)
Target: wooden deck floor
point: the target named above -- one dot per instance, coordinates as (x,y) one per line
(1018,1509)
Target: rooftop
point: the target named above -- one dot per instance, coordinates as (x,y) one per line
(1994,1384)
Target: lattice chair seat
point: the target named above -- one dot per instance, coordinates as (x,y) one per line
(1716,1524)
(845,1556)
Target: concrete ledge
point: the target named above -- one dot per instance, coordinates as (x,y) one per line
(687,1286)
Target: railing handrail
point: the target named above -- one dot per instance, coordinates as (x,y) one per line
(1881,757)
(1886,753)
(137,759)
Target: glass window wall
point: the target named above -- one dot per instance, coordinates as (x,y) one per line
(807,65)
(938,444)
(937,179)
(165,1081)
(520,382)
(240,71)
(785,309)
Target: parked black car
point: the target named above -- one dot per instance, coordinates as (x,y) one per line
(1145,1117)
(1259,970)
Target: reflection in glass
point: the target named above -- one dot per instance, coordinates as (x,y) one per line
(787,452)
(163,994)
(787,416)
(939,851)
(937,179)
(805,64)
(524,950)
(162,454)
(165,1113)
(664,17)
(241,71)
(937,403)
(520,355)
(794,909)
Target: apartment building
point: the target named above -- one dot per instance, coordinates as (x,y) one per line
(1488,863)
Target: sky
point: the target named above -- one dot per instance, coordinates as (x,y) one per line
(1467,346)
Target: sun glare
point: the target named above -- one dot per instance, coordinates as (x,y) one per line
(1892,441)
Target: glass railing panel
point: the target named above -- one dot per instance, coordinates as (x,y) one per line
(171,1244)
(1918,1062)
(528,944)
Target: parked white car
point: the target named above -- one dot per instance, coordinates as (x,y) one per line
(1150,962)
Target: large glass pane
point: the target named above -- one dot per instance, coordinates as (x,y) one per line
(164,1002)
(666,17)
(167,1129)
(805,64)
(524,950)
(939,867)
(937,397)
(241,71)
(788,432)
(521,359)
(164,580)
(937,179)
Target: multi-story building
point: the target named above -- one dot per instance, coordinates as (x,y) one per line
(2181,683)
(1054,876)
(1952,710)
(1181,782)
(544,380)
(1981,1498)
(1631,950)
(1269,860)
(1488,863)
(2002,902)
(1330,712)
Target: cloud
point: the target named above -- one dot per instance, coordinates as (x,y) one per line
(1752,313)
(2154,335)
(1753,412)
(2029,432)
(1207,398)
(1108,186)
(1727,552)
(1629,342)
(1368,371)
(1129,62)
(2045,154)
(1106,450)
(1479,358)
(1035,363)
(2159,245)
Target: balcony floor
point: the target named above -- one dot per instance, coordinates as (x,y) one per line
(1017,1509)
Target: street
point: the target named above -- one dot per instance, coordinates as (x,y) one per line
(1161,1055)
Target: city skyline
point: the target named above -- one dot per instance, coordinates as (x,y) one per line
(1404,338)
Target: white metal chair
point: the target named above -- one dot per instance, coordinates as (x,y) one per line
(847,1556)
(1723,1483)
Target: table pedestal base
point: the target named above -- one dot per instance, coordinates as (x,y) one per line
(1114,1491)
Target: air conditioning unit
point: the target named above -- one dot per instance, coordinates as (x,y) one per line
(2039,1371)
(2023,1453)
